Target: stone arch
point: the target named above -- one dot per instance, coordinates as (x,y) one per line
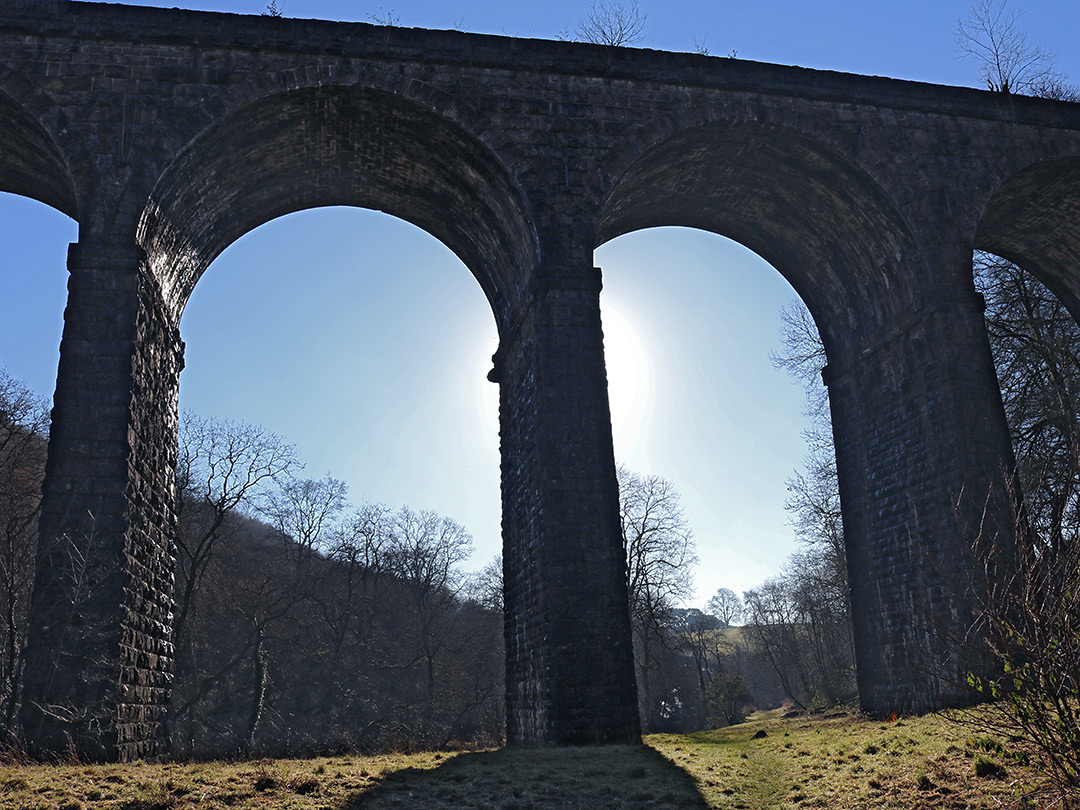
(912,394)
(818,218)
(1033,220)
(31,163)
(337,146)
(165,145)
(333,145)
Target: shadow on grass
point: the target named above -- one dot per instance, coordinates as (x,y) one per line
(618,777)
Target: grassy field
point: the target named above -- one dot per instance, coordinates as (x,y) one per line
(817,762)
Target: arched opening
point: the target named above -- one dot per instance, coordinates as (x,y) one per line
(1035,343)
(35,239)
(383,329)
(675,304)
(844,246)
(1027,243)
(37,207)
(691,321)
(375,367)
(1033,221)
(354,308)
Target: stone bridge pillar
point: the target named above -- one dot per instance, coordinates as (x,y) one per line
(99,655)
(570,675)
(922,447)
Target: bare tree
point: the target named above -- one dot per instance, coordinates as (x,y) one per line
(773,617)
(814,499)
(1035,342)
(24,424)
(801,620)
(425,550)
(1029,616)
(1006,61)
(1027,611)
(801,617)
(700,634)
(347,604)
(485,587)
(612,23)
(726,606)
(305,512)
(222,466)
(803,358)
(726,700)
(660,557)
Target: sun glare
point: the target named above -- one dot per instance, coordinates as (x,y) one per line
(629,376)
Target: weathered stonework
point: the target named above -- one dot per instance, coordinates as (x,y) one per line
(168,134)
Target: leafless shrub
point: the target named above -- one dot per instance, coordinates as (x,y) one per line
(1029,615)
(385,17)
(1007,62)
(611,23)
(24,424)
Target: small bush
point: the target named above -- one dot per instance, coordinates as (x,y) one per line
(987,768)
(988,744)
(1020,757)
(303,784)
(265,781)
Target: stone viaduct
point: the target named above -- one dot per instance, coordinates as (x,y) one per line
(168,134)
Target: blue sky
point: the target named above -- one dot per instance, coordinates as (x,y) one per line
(366,342)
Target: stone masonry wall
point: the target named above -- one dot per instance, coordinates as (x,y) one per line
(907,417)
(868,194)
(99,656)
(565,541)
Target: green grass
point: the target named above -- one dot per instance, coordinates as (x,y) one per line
(844,761)
(837,761)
